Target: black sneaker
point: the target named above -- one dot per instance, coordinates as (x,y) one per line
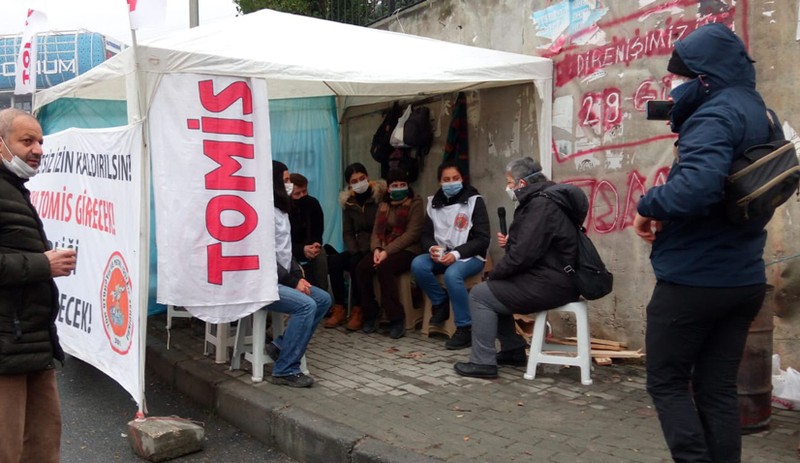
(397,329)
(513,357)
(273,351)
(461,339)
(440,313)
(369,326)
(298,380)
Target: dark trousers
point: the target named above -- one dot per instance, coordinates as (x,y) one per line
(387,272)
(337,265)
(695,339)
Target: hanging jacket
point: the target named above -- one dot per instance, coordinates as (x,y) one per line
(475,241)
(28,294)
(541,240)
(717,118)
(357,220)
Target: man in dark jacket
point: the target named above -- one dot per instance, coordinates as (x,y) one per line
(308,224)
(710,272)
(530,277)
(30,427)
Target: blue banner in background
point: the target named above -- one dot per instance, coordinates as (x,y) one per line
(61,56)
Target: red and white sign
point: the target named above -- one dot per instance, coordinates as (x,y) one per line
(25,79)
(88,195)
(146,13)
(212,180)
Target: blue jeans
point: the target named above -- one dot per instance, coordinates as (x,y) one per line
(425,271)
(306,313)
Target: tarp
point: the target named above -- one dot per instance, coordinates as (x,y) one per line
(303,57)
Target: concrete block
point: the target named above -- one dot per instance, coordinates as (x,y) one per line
(371,450)
(164,438)
(248,408)
(312,438)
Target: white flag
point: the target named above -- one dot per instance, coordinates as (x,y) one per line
(146,13)
(25,77)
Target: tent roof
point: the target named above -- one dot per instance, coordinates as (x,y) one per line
(301,56)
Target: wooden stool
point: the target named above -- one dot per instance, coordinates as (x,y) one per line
(449,326)
(583,355)
(413,314)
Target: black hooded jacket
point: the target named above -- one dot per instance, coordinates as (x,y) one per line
(542,240)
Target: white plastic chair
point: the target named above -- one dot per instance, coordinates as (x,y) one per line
(253,351)
(582,357)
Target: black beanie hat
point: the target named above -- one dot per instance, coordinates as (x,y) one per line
(677,66)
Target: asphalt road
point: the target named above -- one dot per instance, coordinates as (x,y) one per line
(96,410)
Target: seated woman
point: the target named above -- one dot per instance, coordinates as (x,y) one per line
(394,244)
(530,277)
(360,203)
(456,236)
(305,303)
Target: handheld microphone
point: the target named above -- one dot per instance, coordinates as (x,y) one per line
(501,214)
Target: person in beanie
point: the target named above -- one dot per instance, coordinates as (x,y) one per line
(359,202)
(710,275)
(394,244)
(530,277)
(456,236)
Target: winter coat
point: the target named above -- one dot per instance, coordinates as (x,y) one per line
(357,221)
(542,240)
(716,119)
(478,238)
(308,224)
(409,239)
(28,294)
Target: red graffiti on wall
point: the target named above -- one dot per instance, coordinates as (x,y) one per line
(601,111)
(624,50)
(607,213)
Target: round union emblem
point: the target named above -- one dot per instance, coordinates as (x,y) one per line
(116,306)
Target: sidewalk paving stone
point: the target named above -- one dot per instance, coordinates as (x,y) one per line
(405,396)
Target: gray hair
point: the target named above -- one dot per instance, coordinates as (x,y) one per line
(7,117)
(525,169)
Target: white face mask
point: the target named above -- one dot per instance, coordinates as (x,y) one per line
(511,194)
(16,165)
(289,188)
(360,187)
(677,81)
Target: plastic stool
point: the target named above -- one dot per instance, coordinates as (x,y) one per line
(413,314)
(219,337)
(583,355)
(174,311)
(253,351)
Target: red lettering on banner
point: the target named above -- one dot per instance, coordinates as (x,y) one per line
(26,63)
(222,232)
(223,178)
(223,100)
(218,264)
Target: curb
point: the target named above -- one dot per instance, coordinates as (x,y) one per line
(298,433)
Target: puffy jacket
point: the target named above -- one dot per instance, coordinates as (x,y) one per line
(478,239)
(28,294)
(542,240)
(357,220)
(718,117)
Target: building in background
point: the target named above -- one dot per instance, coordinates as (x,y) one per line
(62,55)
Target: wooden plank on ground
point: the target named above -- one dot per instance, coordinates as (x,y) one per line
(602,361)
(607,342)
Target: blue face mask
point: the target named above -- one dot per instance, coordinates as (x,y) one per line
(451,189)
(398,194)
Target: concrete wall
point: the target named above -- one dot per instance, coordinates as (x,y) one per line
(610,58)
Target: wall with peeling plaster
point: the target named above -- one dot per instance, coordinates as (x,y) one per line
(610,58)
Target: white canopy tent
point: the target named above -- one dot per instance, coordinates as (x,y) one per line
(305,57)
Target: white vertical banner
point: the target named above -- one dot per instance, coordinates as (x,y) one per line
(25,66)
(146,13)
(87,192)
(212,181)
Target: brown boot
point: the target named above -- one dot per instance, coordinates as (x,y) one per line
(356,321)
(337,318)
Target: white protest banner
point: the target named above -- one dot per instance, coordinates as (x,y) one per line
(87,192)
(25,77)
(212,181)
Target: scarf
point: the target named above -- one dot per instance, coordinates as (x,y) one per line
(401,209)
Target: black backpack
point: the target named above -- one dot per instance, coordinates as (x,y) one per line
(591,277)
(381,148)
(762,178)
